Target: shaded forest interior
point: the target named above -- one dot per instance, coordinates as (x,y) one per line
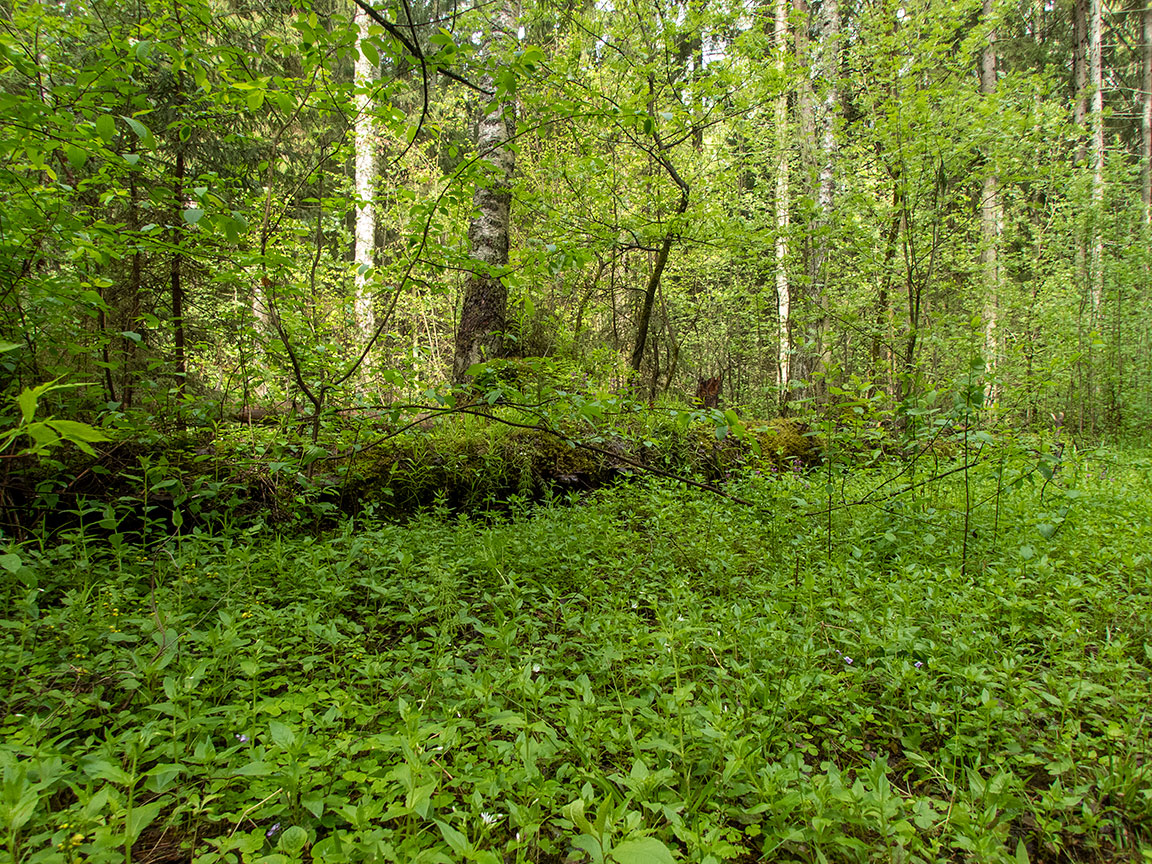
(634,431)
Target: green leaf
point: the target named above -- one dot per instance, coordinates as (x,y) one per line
(193,215)
(639,769)
(293,840)
(314,804)
(18,802)
(282,734)
(232,229)
(161,777)
(106,127)
(647,850)
(591,845)
(8,346)
(11,562)
(256,100)
(368,49)
(253,769)
(76,156)
(139,128)
(28,400)
(140,818)
(454,838)
(103,769)
(73,430)
(420,799)
(574,813)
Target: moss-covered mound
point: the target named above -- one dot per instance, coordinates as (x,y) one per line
(364,462)
(463,462)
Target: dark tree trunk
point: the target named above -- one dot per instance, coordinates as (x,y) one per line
(176,268)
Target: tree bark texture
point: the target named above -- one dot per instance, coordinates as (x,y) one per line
(783,295)
(480,333)
(364,257)
(646,307)
(175,272)
(818,106)
(991,216)
(1146,115)
(1096,85)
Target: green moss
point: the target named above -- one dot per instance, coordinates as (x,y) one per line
(784,442)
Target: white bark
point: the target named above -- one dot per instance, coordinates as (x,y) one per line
(783,291)
(819,103)
(1146,114)
(1096,121)
(364,77)
(826,69)
(991,218)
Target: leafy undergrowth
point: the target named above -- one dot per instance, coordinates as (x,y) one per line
(651,674)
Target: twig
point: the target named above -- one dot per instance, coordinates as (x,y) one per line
(255,806)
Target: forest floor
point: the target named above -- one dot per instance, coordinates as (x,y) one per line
(854,665)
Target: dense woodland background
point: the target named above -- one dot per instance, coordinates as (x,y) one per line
(217,207)
(327,329)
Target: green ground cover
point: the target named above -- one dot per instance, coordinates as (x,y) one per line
(961,671)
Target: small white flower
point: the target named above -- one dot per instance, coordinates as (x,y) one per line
(535,668)
(489,818)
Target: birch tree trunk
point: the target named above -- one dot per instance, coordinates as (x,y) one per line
(783,293)
(818,105)
(1146,115)
(1082,371)
(1096,84)
(365,243)
(991,220)
(480,333)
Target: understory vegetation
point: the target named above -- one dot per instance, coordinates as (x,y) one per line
(919,660)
